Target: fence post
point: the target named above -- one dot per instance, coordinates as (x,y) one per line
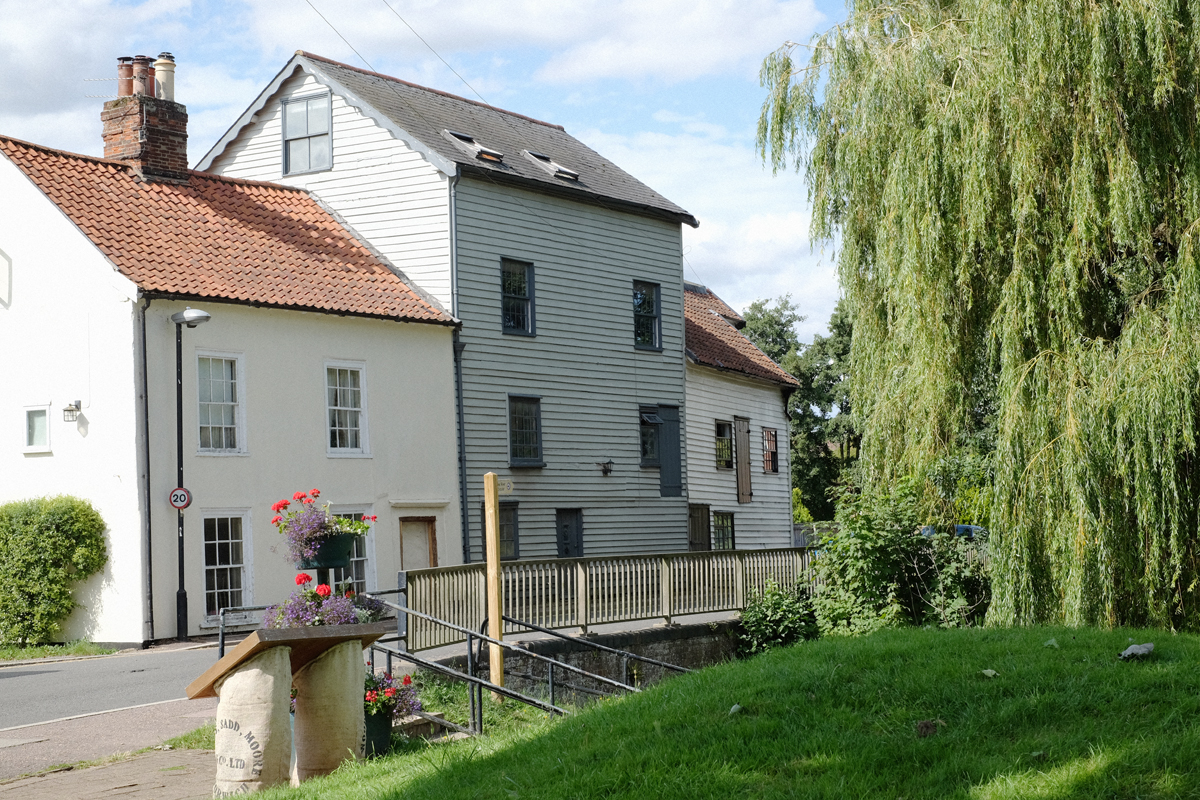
(665,581)
(581,594)
(740,580)
(401,616)
(491,502)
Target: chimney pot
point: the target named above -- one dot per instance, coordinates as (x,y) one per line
(164,76)
(124,76)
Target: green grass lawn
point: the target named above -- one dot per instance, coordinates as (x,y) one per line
(839,718)
(78,648)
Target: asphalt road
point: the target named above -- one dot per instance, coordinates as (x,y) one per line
(33,693)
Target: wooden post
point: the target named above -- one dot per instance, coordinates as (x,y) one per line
(581,595)
(665,587)
(495,610)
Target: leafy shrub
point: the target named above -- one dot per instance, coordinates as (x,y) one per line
(776,618)
(800,512)
(46,545)
(877,569)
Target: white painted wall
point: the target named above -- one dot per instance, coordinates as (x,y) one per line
(67,333)
(766,521)
(384,189)
(411,469)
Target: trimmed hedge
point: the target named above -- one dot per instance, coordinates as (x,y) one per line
(46,545)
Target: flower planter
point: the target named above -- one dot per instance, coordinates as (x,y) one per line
(379,734)
(333,552)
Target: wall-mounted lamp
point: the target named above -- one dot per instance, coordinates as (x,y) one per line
(71,412)
(606,467)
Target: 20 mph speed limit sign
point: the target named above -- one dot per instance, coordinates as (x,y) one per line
(181,498)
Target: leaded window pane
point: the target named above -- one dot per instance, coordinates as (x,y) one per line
(524,429)
(647,327)
(724,441)
(722,530)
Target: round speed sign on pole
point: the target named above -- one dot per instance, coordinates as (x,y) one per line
(181,498)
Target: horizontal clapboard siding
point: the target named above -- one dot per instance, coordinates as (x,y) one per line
(766,521)
(385,190)
(582,363)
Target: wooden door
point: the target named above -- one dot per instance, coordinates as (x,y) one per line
(418,543)
(568,522)
(698,530)
(741,452)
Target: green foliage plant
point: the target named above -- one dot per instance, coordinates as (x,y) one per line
(776,617)
(800,512)
(46,545)
(1015,189)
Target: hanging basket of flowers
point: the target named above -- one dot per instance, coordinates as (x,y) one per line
(316,539)
(385,699)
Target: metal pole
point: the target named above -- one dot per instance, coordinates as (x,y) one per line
(181,601)
(221,637)
(471,671)
(550,680)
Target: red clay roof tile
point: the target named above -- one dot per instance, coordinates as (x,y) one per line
(219,237)
(713,341)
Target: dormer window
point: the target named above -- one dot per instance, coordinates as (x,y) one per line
(307,122)
(468,143)
(550,165)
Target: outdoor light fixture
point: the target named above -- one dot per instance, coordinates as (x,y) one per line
(606,467)
(71,412)
(191,317)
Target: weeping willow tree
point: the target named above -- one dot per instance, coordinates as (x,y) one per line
(1015,189)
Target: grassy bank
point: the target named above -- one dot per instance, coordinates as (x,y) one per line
(79,648)
(845,718)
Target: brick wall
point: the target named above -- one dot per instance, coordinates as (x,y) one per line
(149,134)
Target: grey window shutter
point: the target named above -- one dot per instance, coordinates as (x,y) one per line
(741,447)
(670,471)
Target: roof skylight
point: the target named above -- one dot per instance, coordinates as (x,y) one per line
(468,142)
(551,166)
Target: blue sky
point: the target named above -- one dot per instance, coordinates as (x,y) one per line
(668,89)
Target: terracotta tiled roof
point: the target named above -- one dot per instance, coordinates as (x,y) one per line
(713,341)
(220,237)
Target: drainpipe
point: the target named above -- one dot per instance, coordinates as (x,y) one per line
(459,346)
(149,504)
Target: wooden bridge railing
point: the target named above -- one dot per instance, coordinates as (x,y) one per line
(580,592)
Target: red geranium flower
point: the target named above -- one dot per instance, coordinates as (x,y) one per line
(350,593)
(390,691)
(303,578)
(276,520)
(280,506)
(407,680)
(323,590)
(315,493)
(299,496)
(371,695)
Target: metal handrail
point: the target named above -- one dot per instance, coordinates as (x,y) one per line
(513,647)
(221,629)
(596,645)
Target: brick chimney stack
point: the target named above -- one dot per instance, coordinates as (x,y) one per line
(149,133)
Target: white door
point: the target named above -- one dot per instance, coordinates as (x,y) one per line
(418,548)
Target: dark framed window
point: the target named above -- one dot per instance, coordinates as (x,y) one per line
(516,297)
(722,530)
(510,529)
(524,431)
(651,436)
(770,450)
(222,564)
(307,141)
(647,316)
(724,445)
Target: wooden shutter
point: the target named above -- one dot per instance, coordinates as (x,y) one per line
(670,470)
(699,537)
(741,452)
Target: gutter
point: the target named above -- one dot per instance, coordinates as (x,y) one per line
(146,440)
(459,346)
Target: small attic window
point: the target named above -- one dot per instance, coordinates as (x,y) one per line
(551,166)
(478,150)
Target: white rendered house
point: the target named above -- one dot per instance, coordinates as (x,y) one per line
(320,368)
(739,478)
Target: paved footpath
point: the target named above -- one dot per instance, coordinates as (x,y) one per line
(156,775)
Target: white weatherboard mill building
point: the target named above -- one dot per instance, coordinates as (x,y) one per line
(320,367)
(565,271)
(739,481)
